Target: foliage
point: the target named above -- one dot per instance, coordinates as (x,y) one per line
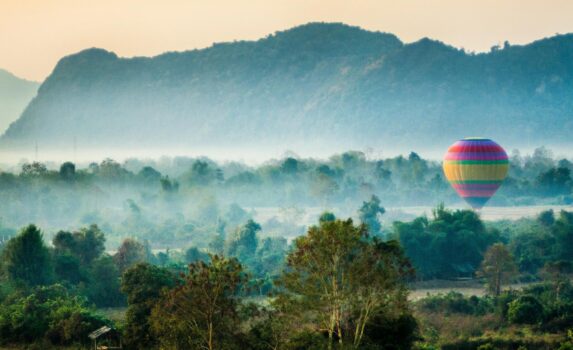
(243,244)
(103,288)
(143,285)
(47,312)
(497,268)
(449,245)
(26,259)
(340,278)
(369,215)
(86,244)
(455,302)
(130,253)
(525,309)
(201,312)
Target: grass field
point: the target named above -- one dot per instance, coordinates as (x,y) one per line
(419,290)
(307,216)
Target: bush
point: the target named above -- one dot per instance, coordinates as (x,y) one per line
(455,302)
(47,313)
(74,328)
(525,310)
(386,332)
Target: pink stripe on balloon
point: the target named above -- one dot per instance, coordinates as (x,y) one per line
(476,193)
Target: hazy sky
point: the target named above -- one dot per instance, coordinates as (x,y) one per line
(35,34)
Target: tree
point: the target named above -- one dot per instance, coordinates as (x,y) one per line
(130,253)
(243,244)
(201,174)
(497,267)
(67,171)
(546,218)
(201,312)
(555,181)
(104,283)
(326,217)
(525,310)
(430,242)
(111,170)
(87,244)
(563,233)
(27,259)
(193,254)
(67,268)
(47,312)
(143,285)
(36,169)
(369,215)
(324,182)
(339,276)
(290,166)
(149,176)
(169,186)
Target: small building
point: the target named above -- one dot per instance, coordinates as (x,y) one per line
(106,338)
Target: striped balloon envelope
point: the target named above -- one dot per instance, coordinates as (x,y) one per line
(476,167)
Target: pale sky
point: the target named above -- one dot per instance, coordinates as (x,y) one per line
(35,34)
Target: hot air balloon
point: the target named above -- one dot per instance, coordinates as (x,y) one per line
(476,167)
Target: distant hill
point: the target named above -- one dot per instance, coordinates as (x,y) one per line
(315,86)
(15,94)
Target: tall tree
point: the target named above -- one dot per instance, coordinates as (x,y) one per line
(370,213)
(67,171)
(338,274)
(243,244)
(104,284)
(201,313)
(27,259)
(497,267)
(87,244)
(130,253)
(143,285)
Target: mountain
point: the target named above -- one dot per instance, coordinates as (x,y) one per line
(318,86)
(15,94)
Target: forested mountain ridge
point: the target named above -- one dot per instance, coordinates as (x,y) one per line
(15,94)
(317,85)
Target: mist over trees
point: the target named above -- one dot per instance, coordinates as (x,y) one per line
(174,201)
(294,253)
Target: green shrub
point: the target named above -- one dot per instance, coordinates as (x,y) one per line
(487,346)
(387,332)
(47,314)
(455,302)
(525,310)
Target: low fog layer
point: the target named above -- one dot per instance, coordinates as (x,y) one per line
(177,200)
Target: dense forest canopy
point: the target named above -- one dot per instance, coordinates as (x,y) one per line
(314,87)
(339,285)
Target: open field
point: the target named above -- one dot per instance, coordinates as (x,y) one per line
(309,215)
(492,213)
(419,290)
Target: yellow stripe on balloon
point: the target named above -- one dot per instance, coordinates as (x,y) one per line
(472,172)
